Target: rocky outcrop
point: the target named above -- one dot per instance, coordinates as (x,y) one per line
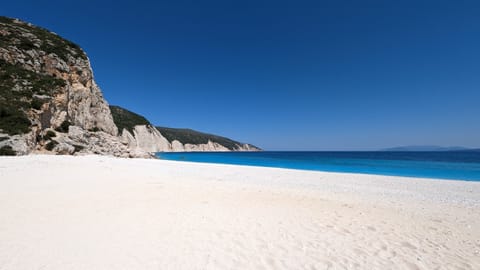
(145,138)
(138,133)
(149,139)
(210,146)
(188,140)
(100,143)
(48,85)
(79,100)
(204,147)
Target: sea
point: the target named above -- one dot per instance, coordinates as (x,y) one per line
(454,165)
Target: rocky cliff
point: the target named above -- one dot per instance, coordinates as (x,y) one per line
(138,133)
(189,140)
(49,100)
(145,138)
(50,103)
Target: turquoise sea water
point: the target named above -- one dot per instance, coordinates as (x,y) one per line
(461,165)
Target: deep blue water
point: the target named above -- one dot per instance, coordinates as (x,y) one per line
(461,165)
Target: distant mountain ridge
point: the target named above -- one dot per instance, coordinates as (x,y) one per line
(190,136)
(426,148)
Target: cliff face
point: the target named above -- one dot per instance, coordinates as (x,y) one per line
(150,139)
(145,138)
(189,140)
(138,133)
(47,86)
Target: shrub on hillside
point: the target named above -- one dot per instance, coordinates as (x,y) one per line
(13,121)
(78,148)
(51,145)
(7,151)
(50,134)
(63,126)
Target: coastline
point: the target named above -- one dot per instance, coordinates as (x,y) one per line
(460,165)
(99,212)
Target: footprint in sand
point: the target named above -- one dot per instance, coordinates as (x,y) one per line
(411,265)
(358,251)
(408,245)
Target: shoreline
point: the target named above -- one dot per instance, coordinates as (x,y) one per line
(100,212)
(333,172)
(455,169)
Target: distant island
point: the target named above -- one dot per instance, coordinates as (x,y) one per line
(427,148)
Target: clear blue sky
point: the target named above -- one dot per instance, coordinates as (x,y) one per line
(323,75)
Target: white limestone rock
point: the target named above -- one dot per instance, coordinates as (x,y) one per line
(206,147)
(64,149)
(146,138)
(177,146)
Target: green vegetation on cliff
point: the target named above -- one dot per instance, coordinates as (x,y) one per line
(22,87)
(26,36)
(191,136)
(125,119)
(7,150)
(17,89)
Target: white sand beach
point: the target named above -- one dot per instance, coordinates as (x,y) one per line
(94,212)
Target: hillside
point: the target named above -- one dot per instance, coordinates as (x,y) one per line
(128,120)
(190,136)
(125,119)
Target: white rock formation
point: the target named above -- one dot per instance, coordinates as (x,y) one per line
(149,139)
(146,138)
(205,147)
(99,143)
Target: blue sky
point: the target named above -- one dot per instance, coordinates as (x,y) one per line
(323,75)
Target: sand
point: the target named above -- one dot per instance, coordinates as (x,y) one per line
(93,212)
